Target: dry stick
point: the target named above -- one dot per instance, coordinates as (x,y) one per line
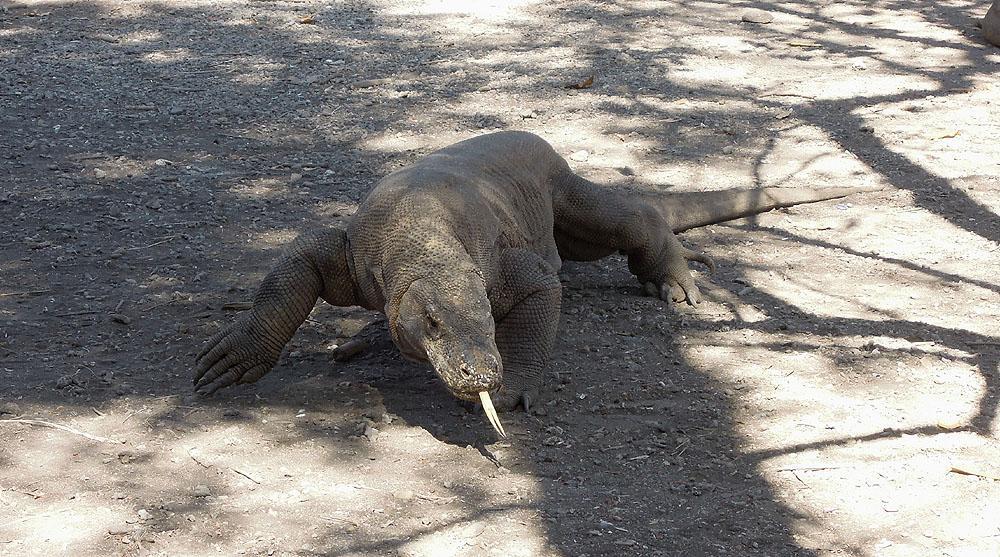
(245,475)
(350,349)
(194,458)
(25,293)
(163,241)
(76,313)
(60,427)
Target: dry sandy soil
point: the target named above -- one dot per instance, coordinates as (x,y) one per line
(837,395)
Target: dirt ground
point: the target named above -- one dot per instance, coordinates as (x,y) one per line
(837,395)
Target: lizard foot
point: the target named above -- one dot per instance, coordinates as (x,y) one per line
(237,354)
(678,285)
(510,400)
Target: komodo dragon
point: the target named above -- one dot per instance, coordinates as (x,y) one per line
(461,251)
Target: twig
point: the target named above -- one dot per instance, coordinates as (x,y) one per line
(194,458)
(967,472)
(806,468)
(25,293)
(76,313)
(163,241)
(350,349)
(60,427)
(245,475)
(796,474)
(786,95)
(96,411)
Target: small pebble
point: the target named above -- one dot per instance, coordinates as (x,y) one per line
(403,494)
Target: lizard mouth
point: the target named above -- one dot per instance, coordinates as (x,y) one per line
(488,408)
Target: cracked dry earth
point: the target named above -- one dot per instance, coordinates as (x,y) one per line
(836,395)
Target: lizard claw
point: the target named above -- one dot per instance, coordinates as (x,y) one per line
(232,356)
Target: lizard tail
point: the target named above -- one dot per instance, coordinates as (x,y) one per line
(686,210)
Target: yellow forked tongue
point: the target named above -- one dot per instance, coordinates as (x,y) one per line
(491,413)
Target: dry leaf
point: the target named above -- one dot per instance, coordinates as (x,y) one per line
(942,134)
(803,43)
(585,84)
(308,20)
(949,424)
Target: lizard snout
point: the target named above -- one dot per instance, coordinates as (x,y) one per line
(471,373)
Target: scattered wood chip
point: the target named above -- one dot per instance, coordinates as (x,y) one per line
(804,44)
(237,306)
(308,20)
(587,83)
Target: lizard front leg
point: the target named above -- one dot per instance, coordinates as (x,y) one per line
(314,265)
(526,310)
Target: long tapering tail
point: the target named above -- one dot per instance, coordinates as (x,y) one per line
(686,210)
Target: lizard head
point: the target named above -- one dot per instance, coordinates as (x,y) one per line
(448,322)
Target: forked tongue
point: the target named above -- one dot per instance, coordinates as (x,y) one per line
(491,413)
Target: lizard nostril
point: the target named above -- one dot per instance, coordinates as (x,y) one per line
(465,370)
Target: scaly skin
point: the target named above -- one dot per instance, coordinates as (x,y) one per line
(461,252)
(991,24)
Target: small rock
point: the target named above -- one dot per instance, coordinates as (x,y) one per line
(403,494)
(144,514)
(201,490)
(294,178)
(119,318)
(866,128)
(728,150)
(175,110)
(580,156)
(756,16)
(154,204)
(370,432)
(100,174)
(65,381)
(163,162)
(744,291)
(526,114)
(119,530)
(126,540)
